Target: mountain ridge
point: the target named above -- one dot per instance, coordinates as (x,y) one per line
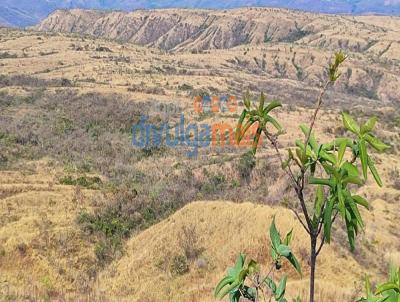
(30,14)
(199,30)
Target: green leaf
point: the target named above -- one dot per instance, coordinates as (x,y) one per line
(301,155)
(363,157)
(262,101)
(342,150)
(227,289)
(288,238)
(319,200)
(330,170)
(249,293)
(328,157)
(252,266)
(274,254)
(328,220)
(369,125)
(274,235)
(256,139)
(350,124)
(271,284)
(239,262)
(374,172)
(225,281)
(274,122)
(319,181)
(337,142)
(274,104)
(293,260)
(312,141)
(387,286)
(355,210)
(239,128)
(246,100)
(283,250)
(361,201)
(240,132)
(350,169)
(350,234)
(353,180)
(341,206)
(280,291)
(234,296)
(376,143)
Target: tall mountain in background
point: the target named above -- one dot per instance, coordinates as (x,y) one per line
(23,13)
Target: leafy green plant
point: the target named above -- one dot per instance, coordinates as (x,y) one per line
(388,291)
(233,284)
(329,170)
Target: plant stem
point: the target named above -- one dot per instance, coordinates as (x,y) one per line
(313,262)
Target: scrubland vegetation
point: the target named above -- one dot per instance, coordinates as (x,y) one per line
(97,219)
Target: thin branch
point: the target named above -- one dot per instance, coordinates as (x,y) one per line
(274,142)
(320,246)
(299,219)
(318,107)
(295,183)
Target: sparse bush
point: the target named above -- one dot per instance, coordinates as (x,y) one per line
(22,248)
(29,81)
(7,55)
(179,265)
(103,252)
(189,242)
(246,165)
(103,49)
(215,183)
(83,181)
(185,87)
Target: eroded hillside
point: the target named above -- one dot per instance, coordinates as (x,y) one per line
(197,30)
(69,173)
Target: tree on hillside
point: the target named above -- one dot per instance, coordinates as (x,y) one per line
(330,170)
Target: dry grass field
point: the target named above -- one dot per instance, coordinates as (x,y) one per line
(84,216)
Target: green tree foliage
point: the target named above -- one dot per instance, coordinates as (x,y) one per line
(330,170)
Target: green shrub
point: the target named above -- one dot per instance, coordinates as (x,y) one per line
(246,165)
(87,182)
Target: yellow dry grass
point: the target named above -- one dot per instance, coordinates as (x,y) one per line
(225,229)
(42,250)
